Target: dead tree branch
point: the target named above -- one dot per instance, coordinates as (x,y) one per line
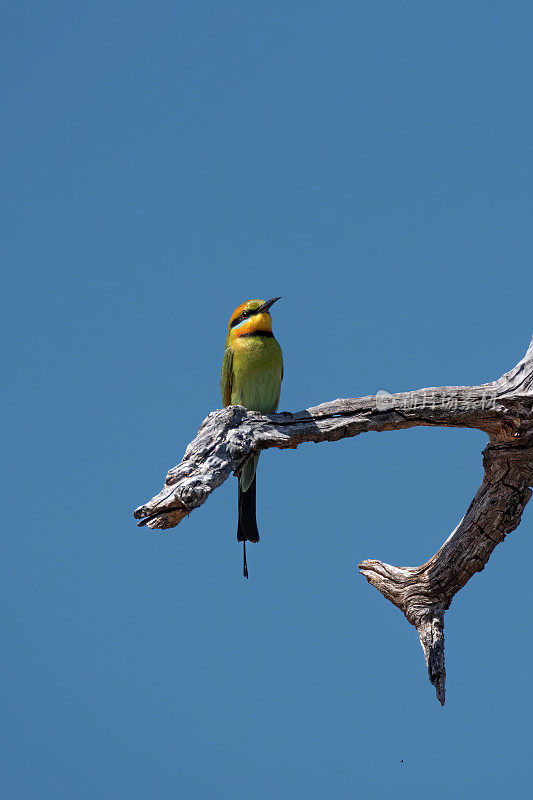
(503,409)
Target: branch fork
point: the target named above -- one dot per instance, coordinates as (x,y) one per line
(503,409)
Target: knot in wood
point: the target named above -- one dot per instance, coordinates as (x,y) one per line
(241,444)
(192,493)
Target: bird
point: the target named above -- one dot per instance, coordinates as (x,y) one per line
(252,371)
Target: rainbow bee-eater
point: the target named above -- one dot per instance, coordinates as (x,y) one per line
(252,371)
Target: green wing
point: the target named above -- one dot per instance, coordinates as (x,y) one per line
(226,376)
(279,393)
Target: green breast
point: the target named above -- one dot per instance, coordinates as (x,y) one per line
(257,373)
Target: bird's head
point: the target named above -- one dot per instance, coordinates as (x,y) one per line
(251,316)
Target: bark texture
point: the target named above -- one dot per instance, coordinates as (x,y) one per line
(502,408)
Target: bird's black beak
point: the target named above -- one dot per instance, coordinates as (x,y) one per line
(266,306)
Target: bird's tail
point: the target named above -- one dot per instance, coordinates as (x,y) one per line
(247,524)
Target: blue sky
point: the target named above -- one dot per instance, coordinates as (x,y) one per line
(371,163)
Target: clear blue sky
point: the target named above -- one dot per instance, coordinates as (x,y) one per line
(372,163)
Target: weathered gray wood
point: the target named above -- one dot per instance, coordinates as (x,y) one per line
(502,408)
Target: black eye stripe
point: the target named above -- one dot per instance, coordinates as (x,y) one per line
(244,315)
(237,320)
